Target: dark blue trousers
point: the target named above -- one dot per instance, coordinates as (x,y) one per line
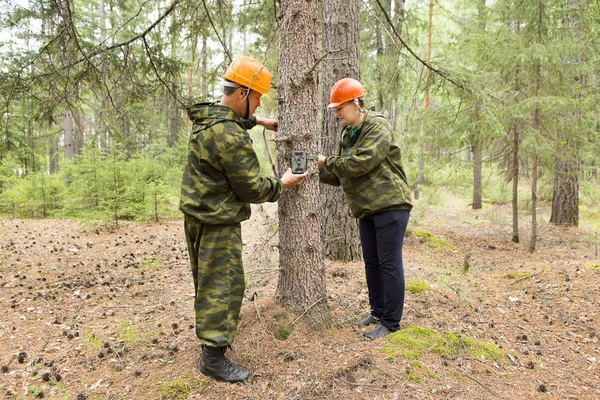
(382,237)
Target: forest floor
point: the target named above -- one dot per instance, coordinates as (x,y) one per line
(93,312)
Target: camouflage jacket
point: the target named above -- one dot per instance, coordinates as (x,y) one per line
(222,174)
(368,166)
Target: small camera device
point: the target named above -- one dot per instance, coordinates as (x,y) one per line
(298,162)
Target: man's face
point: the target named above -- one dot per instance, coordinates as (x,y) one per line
(253,99)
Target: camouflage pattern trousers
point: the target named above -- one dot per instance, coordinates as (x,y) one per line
(216,259)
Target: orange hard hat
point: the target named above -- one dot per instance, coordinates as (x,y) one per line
(249,73)
(345,90)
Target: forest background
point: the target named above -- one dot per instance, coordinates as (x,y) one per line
(93,95)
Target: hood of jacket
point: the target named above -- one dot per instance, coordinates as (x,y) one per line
(210,113)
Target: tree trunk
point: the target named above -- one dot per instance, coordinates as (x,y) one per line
(203,80)
(537,125)
(339,229)
(173,106)
(301,286)
(477,162)
(534,179)
(565,199)
(478,134)
(515,160)
(68,133)
(515,182)
(53,155)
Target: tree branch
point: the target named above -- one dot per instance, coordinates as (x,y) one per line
(425,63)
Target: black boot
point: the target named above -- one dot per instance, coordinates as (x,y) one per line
(378,332)
(366,321)
(215,364)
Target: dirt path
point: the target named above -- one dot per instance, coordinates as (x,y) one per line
(95,313)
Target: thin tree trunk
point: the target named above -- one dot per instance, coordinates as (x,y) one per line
(478,135)
(537,125)
(515,182)
(174,110)
(68,130)
(515,161)
(301,286)
(534,180)
(477,164)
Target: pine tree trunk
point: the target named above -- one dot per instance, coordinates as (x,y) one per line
(53,155)
(478,139)
(565,199)
(68,130)
(301,286)
(339,230)
(534,180)
(515,160)
(515,182)
(174,110)
(477,162)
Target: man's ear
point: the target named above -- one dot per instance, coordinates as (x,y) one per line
(241,92)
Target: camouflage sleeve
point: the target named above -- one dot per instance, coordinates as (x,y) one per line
(328,178)
(240,163)
(367,154)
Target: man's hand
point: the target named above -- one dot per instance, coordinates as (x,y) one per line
(321,161)
(268,123)
(289,180)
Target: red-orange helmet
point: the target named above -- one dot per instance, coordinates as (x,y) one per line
(344,90)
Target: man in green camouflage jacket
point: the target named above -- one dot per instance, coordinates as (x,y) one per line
(221,178)
(368,167)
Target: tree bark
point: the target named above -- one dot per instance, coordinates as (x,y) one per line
(68,131)
(339,229)
(515,182)
(301,286)
(565,199)
(477,163)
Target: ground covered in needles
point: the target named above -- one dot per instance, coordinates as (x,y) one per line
(97,312)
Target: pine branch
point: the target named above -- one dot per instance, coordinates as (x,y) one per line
(425,63)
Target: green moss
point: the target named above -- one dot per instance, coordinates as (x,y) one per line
(434,242)
(411,342)
(515,275)
(181,388)
(416,286)
(592,265)
(283,331)
(150,264)
(416,371)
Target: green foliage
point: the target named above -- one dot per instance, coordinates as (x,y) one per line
(411,342)
(283,331)
(102,186)
(93,339)
(150,264)
(126,333)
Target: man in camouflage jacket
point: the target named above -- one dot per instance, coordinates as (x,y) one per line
(221,178)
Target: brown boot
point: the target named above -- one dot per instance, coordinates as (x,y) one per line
(215,364)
